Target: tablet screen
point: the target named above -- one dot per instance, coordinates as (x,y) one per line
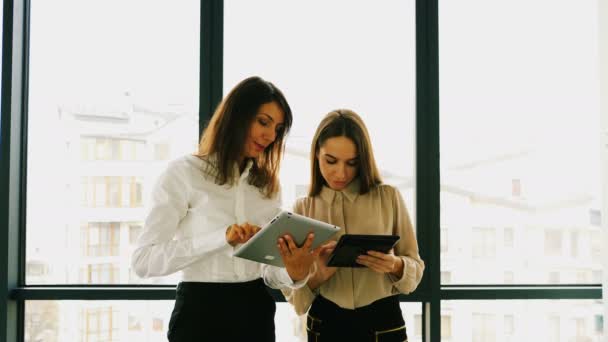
(350,246)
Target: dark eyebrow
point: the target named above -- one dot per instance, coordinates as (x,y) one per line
(329,155)
(271,119)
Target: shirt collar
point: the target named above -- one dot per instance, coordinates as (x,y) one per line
(350,192)
(245,173)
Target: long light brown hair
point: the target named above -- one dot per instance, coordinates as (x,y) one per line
(344,123)
(227,131)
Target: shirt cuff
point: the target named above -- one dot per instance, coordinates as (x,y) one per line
(286,279)
(396,280)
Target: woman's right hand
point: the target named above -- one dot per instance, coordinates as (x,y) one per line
(236,234)
(323,272)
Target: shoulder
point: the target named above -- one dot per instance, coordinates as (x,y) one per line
(389,194)
(180,165)
(184,168)
(194,166)
(386,191)
(302,204)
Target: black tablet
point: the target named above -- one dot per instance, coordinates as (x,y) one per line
(350,246)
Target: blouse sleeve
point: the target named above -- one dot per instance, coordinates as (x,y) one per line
(407,248)
(157,253)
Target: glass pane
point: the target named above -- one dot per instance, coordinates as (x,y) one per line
(327,55)
(54,321)
(525,320)
(520,142)
(113,96)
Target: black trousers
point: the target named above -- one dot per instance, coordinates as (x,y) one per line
(380,321)
(222,312)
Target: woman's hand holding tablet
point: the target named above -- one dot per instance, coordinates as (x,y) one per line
(262,247)
(351,246)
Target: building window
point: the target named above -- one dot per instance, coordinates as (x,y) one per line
(443,240)
(599,324)
(100,324)
(100,239)
(112,192)
(484,243)
(574,240)
(509,325)
(135,190)
(114,187)
(509,237)
(580,327)
(583,276)
(105,148)
(509,277)
(106,273)
(516,187)
(554,277)
(134,323)
(135,230)
(554,328)
(446,326)
(157,324)
(161,151)
(596,246)
(36,269)
(595,217)
(418,325)
(484,327)
(553,242)
(597,276)
(86,148)
(446,277)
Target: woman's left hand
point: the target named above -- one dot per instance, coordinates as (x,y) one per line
(382,262)
(297,260)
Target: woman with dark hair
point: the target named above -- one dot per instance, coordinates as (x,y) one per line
(355,304)
(204,205)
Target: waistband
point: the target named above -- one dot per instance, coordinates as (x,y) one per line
(386,306)
(193,287)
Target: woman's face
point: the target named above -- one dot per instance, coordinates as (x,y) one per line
(338,161)
(267,124)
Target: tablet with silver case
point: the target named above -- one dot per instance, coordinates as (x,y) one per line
(262,247)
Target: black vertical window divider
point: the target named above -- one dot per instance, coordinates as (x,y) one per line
(427,162)
(13,130)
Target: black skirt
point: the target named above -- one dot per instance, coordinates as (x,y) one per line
(222,312)
(379,321)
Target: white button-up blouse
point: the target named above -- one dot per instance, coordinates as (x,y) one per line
(187,221)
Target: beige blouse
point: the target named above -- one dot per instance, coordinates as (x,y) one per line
(380,211)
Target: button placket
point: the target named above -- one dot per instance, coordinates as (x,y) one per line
(239,211)
(339,205)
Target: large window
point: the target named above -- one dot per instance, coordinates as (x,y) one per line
(113,95)
(520,141)
(524,320)
(56,321)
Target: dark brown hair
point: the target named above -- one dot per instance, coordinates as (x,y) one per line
(344,123)
(227,131)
